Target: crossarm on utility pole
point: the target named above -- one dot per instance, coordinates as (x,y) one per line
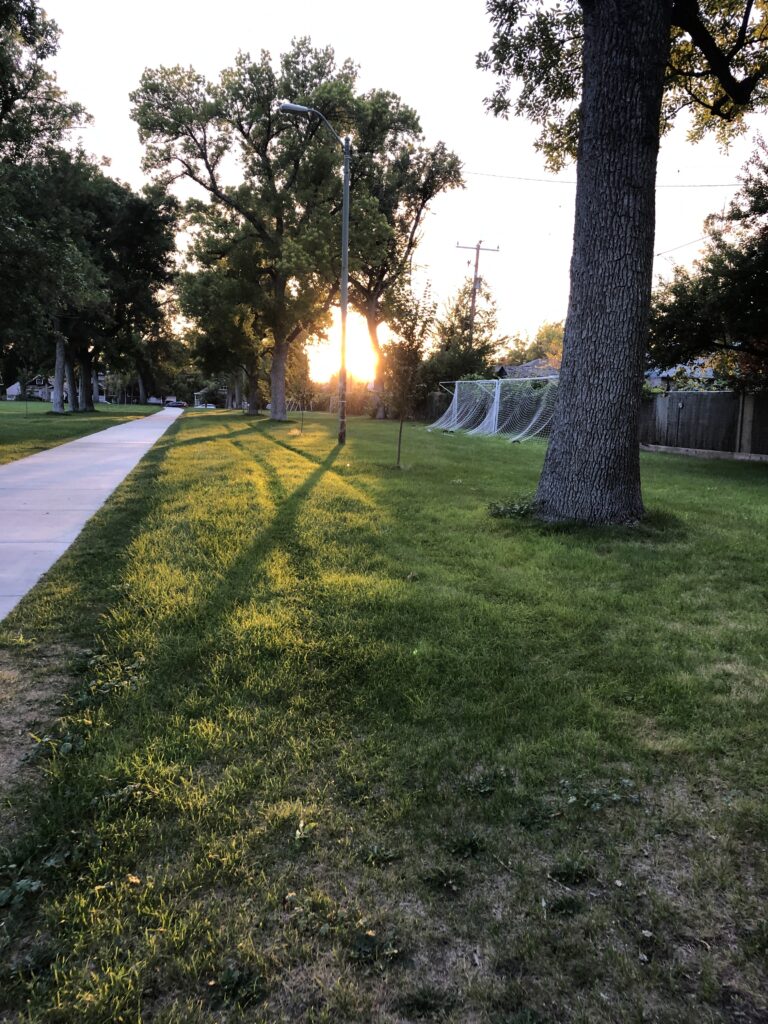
(475,282)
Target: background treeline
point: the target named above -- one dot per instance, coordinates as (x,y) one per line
(224,293)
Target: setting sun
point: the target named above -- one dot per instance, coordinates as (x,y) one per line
(324,356)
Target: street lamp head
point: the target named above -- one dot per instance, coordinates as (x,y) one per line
(296,108)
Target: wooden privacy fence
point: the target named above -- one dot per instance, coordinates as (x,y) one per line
(706,421)
(716,421)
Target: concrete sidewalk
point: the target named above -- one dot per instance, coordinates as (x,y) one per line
(46,499)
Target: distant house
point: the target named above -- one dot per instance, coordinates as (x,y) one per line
(695,370)
(534,368)
(41,388)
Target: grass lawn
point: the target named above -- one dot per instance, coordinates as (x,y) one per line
(339,746)
(32,427)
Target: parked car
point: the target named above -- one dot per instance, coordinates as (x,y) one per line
(176,405)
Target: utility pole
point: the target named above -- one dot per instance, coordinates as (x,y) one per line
(475,282)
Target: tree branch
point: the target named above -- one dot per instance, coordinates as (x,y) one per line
(686,15)
(741,38)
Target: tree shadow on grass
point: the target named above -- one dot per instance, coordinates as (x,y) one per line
(173,671)
(209,438)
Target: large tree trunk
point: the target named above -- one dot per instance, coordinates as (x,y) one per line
(69,370)
(277,381)
(239,389)
(142,388)
(371,318)
(57,401)
(254,398)
(95,385)
(592,468)
(86,392)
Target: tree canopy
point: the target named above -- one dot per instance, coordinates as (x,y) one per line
(283,200)
(720,308)
(458,350)
(395,178)
(34,112)
(283,203)
(411,321)
(715,67)
(547,343)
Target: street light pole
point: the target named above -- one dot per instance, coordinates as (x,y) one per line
(344,289)
(298,108)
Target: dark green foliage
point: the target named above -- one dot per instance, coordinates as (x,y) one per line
(547,344)
(274,233)
(81,256)
(720,308)
(411,321)
(395,177)
(715,67)
(34,113)
(515,508)
(460,348)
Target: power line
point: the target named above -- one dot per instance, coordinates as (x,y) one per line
(572,181)
(683,246)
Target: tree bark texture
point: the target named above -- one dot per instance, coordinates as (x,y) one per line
(254,398)
(277,381)
(86,390)
(69,369)
(95,385)
(57,399)
(592,468)
(378,382)
(142,387)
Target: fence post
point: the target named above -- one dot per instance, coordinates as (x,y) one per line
(746,416)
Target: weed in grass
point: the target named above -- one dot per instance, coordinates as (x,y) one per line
(444,882)
(237,984)
(572,871)
(567,905)
(380,856)
(467,845)
(522,507)
(368,946)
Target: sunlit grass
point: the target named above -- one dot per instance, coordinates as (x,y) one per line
(29,427)
(342,747)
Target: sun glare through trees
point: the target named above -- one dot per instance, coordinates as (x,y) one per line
(325,355)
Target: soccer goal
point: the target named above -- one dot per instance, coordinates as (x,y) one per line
(516,408)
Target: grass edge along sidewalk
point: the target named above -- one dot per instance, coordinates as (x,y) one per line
(29,428)
(46,498)
(341,747)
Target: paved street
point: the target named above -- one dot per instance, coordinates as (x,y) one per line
(46,499)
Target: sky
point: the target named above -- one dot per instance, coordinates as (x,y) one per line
(425,52)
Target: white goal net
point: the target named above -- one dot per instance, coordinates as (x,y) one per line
(516,408)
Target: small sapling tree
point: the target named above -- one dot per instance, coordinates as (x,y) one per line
(411,321)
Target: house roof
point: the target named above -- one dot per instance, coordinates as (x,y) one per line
(533,368)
